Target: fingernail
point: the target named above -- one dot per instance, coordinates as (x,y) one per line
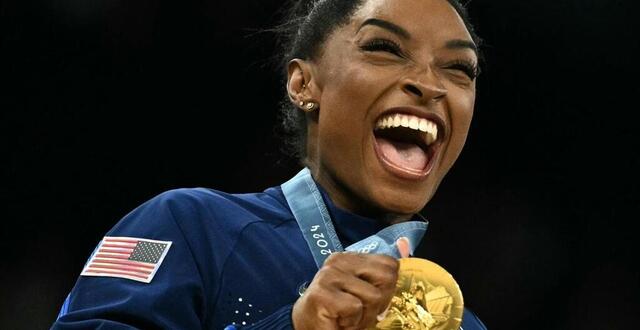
(403,247)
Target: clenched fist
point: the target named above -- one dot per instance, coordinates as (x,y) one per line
(348,292)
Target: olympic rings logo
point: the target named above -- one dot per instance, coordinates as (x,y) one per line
(369,247)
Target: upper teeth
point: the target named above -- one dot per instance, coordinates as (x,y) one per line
(412,122)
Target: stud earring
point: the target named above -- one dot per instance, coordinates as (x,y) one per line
(311,106)
(308,107)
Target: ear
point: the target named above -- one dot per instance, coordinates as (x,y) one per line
(299,82)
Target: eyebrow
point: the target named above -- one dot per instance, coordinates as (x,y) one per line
(451,44)
(462,44)
(387,26)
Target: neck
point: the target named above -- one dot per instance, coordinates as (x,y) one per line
(345,198)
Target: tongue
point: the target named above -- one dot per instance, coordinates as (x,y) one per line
(402,154)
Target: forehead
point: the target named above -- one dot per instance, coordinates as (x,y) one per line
(421,18)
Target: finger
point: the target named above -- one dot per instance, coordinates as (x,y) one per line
(379,270)
(403,247)
(314,317)
(349,309)
(373,298)
(327,306)
(331,294)
(384,278)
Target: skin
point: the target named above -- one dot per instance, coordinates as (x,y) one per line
(353,87)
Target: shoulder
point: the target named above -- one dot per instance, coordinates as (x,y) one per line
(195,197)
(207,201)
(470,321)
(204,207)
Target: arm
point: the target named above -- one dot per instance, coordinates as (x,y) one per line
(174,299)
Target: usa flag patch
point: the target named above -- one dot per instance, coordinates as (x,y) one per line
(133,258)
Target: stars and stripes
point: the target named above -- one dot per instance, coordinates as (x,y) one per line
(133,258)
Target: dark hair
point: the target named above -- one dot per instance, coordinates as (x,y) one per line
(308,24)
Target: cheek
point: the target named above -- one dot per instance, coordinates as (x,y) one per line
(461,114)
(350,87)
(346,104)
(349,80)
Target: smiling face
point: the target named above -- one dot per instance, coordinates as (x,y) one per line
(396,90)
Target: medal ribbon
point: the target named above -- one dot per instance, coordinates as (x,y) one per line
(314,220)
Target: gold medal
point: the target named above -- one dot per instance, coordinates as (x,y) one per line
(426,298)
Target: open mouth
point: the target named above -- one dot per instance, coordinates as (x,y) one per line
(406,144)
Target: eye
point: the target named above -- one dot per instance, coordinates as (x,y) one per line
(468,68)
(382,45)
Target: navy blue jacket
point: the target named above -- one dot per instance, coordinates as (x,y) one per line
(235,259)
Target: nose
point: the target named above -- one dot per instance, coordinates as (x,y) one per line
(425,86)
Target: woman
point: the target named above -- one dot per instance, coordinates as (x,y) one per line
(383,94)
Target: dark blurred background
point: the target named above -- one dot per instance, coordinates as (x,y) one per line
(106,103)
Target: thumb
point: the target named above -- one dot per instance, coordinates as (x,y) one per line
(403,247)
(405,251)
